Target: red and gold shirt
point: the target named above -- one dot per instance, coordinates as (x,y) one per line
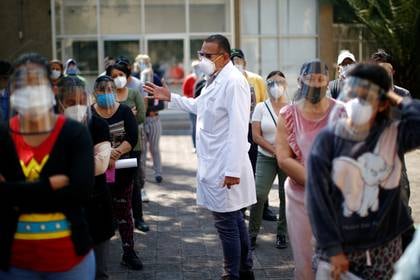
(42,240)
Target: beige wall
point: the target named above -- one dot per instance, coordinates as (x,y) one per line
(33,19)
(326,46)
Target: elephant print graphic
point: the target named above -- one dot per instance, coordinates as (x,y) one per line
(359,180)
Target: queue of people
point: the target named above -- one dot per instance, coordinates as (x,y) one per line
(337,149)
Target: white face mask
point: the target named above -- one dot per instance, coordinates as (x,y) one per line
(207,66)
(76,112)
(359,112)
(120,81)
(32,100)
(55,74)
(276,91)
(240,67)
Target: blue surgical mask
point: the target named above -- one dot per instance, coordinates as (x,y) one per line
(105,100)
(71,71)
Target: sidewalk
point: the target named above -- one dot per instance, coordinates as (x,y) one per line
(182,242)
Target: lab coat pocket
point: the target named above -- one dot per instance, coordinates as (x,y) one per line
(209,171)
(209,116)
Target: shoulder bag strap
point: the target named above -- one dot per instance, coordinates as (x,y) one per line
(271,114)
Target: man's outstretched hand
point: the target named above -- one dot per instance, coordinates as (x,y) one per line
(230,181)
(156,92)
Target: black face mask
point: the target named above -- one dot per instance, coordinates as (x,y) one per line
(315,95)
(312,94)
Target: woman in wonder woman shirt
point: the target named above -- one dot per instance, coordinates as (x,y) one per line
(47,171)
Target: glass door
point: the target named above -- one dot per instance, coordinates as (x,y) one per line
(127,48)
(167,56)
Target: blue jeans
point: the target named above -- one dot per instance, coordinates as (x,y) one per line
(85,270)
(235,242)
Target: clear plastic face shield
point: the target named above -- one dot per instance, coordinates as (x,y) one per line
(105,93)
(358,104)
(32,100)
(277,87)
(312,82)
(73,100)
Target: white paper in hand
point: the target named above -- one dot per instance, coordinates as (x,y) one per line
(126,163)
(324,269)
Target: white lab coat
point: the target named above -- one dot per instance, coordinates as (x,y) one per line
(222,110)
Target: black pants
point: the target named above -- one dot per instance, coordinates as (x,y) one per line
(136,201)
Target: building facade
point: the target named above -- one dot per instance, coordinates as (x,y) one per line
(274,34)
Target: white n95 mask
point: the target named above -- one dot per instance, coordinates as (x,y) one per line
(207,66)
(120,81)
(76,112)
(358,111)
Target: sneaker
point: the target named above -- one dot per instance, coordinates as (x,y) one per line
(269,216)
(253,243)
(141,225)
(158,179)
(144,196)
(132,261)
(281,242)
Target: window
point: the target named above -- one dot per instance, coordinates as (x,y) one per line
(120,16)
(278,35)
(84,52)
(130,49)
(75,17)
(209,16)
(165,16)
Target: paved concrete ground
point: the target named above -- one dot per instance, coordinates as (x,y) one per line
(182,242)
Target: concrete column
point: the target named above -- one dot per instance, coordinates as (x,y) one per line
(326,45)
(237,25)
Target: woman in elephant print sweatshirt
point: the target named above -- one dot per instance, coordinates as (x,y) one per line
(353,173)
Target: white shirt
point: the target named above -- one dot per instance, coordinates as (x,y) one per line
(222,110)
(268,128)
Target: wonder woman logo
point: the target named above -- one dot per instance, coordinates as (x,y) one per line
(33,168)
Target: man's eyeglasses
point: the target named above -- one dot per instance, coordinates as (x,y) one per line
(202,54)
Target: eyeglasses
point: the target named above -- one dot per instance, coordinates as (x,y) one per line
(202,54)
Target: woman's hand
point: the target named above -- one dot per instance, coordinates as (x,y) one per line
(115,154)
(59,181)
(134,110)
(340,264)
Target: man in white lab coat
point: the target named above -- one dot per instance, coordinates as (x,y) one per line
(225,180)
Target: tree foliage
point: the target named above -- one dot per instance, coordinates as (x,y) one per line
(395,25)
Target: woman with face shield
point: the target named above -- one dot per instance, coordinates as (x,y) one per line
(124,135)
(74,102)
(264,123)
(298,124)
(43,185)
(354,169)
